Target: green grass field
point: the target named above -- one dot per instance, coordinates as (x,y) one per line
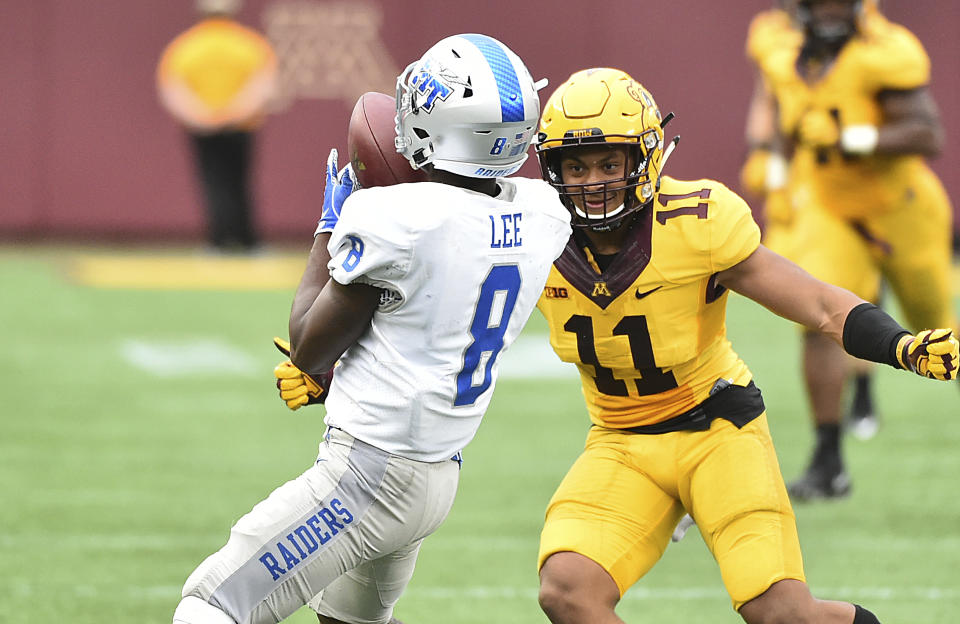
(139,424)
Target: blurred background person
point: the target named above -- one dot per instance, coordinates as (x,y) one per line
(855,113)
(780,183)
(216,79)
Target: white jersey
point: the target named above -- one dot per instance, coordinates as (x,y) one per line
(461,273)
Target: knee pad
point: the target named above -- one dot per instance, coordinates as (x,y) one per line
(193,610)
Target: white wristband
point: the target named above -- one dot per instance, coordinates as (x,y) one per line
(776,177)
(860,140)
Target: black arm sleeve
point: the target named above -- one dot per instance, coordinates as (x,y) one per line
(869,333)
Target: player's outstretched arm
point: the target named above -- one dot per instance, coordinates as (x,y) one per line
(787,290)
(864,330)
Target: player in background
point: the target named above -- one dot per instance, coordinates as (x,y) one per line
(854,110)
(416,289)
(769,174)
(637,301)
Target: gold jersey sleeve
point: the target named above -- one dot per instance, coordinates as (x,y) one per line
(768,31)
(883,56)
(648,334)
(891,57)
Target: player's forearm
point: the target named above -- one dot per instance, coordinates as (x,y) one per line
(315,277)
(871,334)
(911,123)
(815,305)
(337,318)
(761,127)
(833,307)
(916,136)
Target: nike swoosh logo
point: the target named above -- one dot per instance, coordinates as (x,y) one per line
(641,295)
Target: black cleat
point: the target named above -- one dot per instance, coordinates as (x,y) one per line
(820,483)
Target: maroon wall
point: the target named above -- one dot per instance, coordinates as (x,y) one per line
(88,152)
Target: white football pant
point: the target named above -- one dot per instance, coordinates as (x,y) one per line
(343,537)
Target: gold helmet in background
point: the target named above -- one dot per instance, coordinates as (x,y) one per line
(218,7)
(603,106)
(834,33)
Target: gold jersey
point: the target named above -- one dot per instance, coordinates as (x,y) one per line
(882,56)
(648,334)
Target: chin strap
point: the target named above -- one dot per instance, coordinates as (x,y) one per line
(666,153)
(666,156)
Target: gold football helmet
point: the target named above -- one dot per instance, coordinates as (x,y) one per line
(603,106)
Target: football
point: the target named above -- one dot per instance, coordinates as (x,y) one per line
(370,144)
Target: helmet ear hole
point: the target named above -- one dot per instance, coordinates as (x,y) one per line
(421,133)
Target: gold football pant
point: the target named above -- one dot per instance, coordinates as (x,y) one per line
(619,503)
(910,246)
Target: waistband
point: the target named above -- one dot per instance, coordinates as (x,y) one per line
(337,432)
(736,404)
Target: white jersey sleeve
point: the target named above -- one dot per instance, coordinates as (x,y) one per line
(368,246)
(461,273)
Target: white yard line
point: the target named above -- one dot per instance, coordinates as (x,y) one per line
(530,357)
(188,357)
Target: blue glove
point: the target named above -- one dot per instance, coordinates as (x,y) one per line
(338,187)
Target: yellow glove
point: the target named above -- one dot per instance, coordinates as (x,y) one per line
(297,388)
(753,174)
(818,129)
(933,353)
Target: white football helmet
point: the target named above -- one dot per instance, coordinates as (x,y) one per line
(468,106)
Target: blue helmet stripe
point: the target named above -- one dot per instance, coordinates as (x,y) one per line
(511,96)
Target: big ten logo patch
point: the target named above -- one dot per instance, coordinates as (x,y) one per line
(555,292)
(328,50)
